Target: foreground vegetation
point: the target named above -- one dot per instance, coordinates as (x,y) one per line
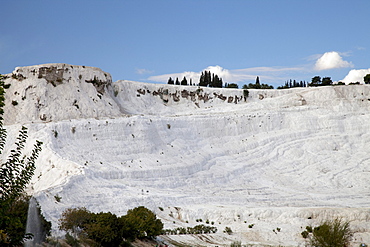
(15,174)
(106,229)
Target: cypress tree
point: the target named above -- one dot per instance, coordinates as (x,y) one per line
(184,82)
(209,78)
(170,81)
(257,81)
(202,82)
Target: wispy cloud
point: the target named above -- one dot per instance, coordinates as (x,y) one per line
(144,71)
(360,48)
(331,60)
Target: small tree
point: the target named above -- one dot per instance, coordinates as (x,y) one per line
(75,220)
(315,81)
(141,222)
(326,81)
(367,79)
(105,229)
(245,94)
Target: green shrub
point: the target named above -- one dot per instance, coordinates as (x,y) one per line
(305,234)
(55,133)
(236,244)
(57,198)
(228,230)
(245,93)
(331,233)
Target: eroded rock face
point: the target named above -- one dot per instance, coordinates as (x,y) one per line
(59,73)
(52,74)
(194,96)
(52,92)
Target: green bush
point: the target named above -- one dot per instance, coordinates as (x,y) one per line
(305,234)
(331,233)
(236,244)
(57,198)
(245,93)
(228,230)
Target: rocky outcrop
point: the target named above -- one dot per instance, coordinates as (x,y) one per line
(53,92)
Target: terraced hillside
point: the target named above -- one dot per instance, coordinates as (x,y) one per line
(276,159)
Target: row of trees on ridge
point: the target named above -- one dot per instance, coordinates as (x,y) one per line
(211,80)
(206,80)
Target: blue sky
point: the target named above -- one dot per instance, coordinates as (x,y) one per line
(150,40)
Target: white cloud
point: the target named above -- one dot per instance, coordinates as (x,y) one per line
(331,60)
(221,72)
(356,75)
